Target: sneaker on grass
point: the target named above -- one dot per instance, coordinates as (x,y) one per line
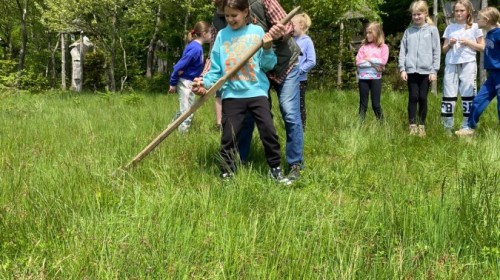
(294,172)
(277,175)
(226,176)
(465,132)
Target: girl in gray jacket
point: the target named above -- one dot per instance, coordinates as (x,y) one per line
(419,59)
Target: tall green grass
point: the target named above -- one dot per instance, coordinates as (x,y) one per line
(373,202)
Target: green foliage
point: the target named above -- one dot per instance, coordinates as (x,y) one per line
(157,84)
(94,76)
(8,74)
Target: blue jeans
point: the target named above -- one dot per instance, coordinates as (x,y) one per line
(289,100)
(489,90)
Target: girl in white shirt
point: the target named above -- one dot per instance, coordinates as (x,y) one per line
(461,41)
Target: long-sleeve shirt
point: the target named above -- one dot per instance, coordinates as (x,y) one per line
(274,14)
(307,58)
(190,65)
(492,50)
(369,57)
(229,48)
(420,50)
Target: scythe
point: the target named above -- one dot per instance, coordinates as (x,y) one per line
(211,91)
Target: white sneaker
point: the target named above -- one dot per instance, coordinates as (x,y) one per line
(465,132)
(413,129)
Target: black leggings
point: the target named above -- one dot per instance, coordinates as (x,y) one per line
(303,115)
(375,87)
(418,88)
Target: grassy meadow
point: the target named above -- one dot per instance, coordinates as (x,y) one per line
(373,202)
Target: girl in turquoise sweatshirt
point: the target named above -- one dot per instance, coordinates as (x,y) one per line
(247,90)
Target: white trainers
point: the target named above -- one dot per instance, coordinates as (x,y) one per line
(465,132)
(413,129)
(421,131)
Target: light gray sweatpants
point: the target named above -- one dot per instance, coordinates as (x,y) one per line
(458,78)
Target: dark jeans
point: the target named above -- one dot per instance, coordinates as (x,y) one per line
(418,88)
(303,115)
(234,111)
(365,87)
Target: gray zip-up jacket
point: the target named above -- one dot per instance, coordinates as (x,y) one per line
(420,50)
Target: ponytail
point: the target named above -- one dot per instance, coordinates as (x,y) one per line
(198,30)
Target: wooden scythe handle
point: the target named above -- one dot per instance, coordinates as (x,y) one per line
(151,146)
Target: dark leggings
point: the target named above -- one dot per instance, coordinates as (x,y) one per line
(418,88)
(303,87)
(365,87)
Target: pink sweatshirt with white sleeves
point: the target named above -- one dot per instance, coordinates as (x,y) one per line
(369,57)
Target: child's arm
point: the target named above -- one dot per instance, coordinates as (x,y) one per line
(201,84)
(179,67)
(361,59)
(402,58)
(310,55)
(477,45)
(436,52)
(268,59)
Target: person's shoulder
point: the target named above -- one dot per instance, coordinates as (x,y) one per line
(253,28)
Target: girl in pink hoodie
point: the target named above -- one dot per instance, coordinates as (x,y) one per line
(370,60)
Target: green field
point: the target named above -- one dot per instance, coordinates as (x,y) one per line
(373,202)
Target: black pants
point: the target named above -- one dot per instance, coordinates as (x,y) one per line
(303,88)
(418,88)
(375,87)
(233,116)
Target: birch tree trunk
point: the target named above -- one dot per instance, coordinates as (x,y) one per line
(125,77)
(482,71)
(341,45)
(82,55)
(53,64)
(153,45)
(186,19)
(63,62)
(23,10)
(112,61)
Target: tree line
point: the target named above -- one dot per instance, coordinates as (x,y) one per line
(136,42)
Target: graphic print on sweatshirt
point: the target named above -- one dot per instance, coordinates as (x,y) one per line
(235,51)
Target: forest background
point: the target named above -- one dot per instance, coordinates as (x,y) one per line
(136,42)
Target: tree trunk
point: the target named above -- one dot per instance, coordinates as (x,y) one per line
(112,85)
(24,34)
(186,20)
(152,45)
(124,78)
(482,71)
(341,45)
(82,50)
(63,62)
(53,64)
